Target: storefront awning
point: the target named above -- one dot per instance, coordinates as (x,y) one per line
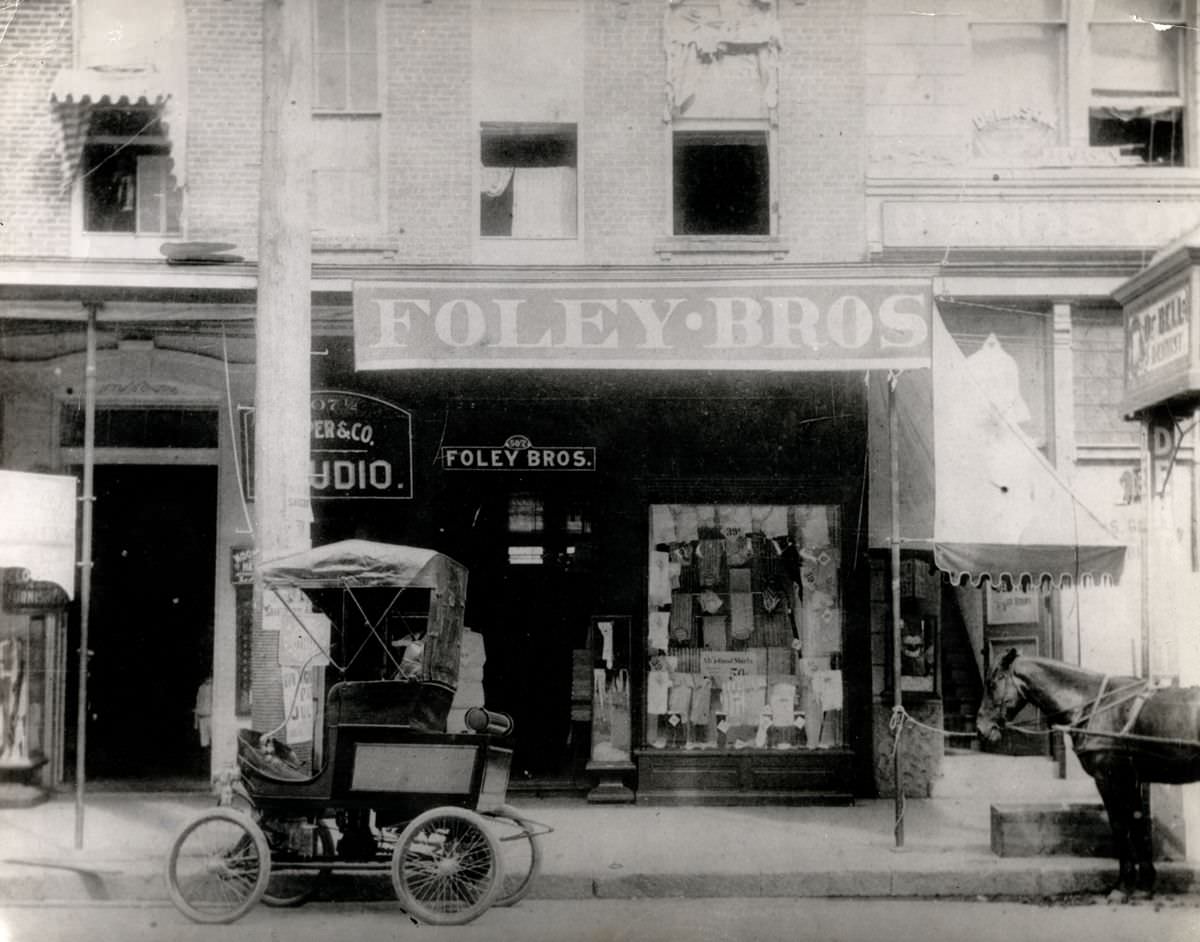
(974,488)
(37,526)
(75,91)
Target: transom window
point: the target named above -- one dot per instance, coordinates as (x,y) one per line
(1099,82)
(126,169)
(721,182)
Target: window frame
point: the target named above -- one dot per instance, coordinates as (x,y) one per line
(1077,91)
(517,129)
(717,126)
(347,232)
(133,243)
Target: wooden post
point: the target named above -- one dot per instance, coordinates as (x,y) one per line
(897,697)
(283,333)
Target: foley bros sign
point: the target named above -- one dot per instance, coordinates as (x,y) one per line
(752,325)
(518,453)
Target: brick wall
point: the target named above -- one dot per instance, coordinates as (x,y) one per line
(224,121)
(1098,346)
(37,43)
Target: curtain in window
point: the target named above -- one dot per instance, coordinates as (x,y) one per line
(543,202)
(494,180)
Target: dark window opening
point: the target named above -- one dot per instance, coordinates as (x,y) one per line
(126,170)
(142,428)
(528,184)
(1156,139)
(722,183)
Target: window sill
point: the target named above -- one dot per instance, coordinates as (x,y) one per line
(722,245)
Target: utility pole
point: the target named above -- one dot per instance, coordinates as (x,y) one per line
(283,325)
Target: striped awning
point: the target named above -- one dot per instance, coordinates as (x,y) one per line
(75,92)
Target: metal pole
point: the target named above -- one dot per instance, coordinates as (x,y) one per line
(894,462)
(85,567)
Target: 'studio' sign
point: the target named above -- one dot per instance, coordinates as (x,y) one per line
(776,325)
(360,447)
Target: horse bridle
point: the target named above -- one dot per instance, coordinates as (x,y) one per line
(1012,684)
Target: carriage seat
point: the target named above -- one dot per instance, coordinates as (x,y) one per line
(415,704)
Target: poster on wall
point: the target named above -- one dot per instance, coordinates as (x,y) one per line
(298,701)
(1011,607)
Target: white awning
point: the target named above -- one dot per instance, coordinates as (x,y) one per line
(75,91)
(37,526)
(974,488)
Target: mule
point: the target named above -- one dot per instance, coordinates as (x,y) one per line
(1126,734)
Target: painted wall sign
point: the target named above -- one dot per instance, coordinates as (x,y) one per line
(241,565)
(778,325)
(518,453)
(1161,358)
(361,447)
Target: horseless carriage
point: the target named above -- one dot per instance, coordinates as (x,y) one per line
(1127,733)
(387,788)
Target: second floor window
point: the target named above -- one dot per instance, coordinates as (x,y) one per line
(1098,82)
(721,183)
(126,170)
(528,181)
(347,117)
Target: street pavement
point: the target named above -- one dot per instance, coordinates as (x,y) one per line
(629,852)
(658,920)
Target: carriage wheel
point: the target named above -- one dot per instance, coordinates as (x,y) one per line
(298,887)
(218,866)
(286,889)
(446,867)
(521,853)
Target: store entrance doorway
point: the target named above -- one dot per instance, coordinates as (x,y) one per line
(151,629)
(531,599)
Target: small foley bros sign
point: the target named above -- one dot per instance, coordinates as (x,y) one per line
(518,453)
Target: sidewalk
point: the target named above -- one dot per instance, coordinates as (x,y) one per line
(637,851)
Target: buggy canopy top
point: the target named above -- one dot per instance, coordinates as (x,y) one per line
(364,564)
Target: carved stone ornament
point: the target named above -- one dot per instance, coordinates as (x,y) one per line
(697,34)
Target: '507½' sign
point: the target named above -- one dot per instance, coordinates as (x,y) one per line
(361,447)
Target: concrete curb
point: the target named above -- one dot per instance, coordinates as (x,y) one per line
(110,883)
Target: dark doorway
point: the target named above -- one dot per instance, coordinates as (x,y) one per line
(531,596)
(150,631)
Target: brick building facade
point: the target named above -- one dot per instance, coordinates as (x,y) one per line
(891,157)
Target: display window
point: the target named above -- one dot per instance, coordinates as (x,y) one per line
(744,627)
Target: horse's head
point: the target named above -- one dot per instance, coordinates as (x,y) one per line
(1003,698)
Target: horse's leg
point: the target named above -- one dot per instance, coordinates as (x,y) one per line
(1115,785)
(1142,838)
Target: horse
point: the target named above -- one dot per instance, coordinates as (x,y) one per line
(1126,733)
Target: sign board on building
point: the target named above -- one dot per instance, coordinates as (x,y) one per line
(32,596)
(518,453)
(241,565)
(1161,353)
(361,447)
(653,324)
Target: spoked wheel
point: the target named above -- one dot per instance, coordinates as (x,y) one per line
(286,888)
(294,888)
(218,866)
(520,851)
(446,867)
